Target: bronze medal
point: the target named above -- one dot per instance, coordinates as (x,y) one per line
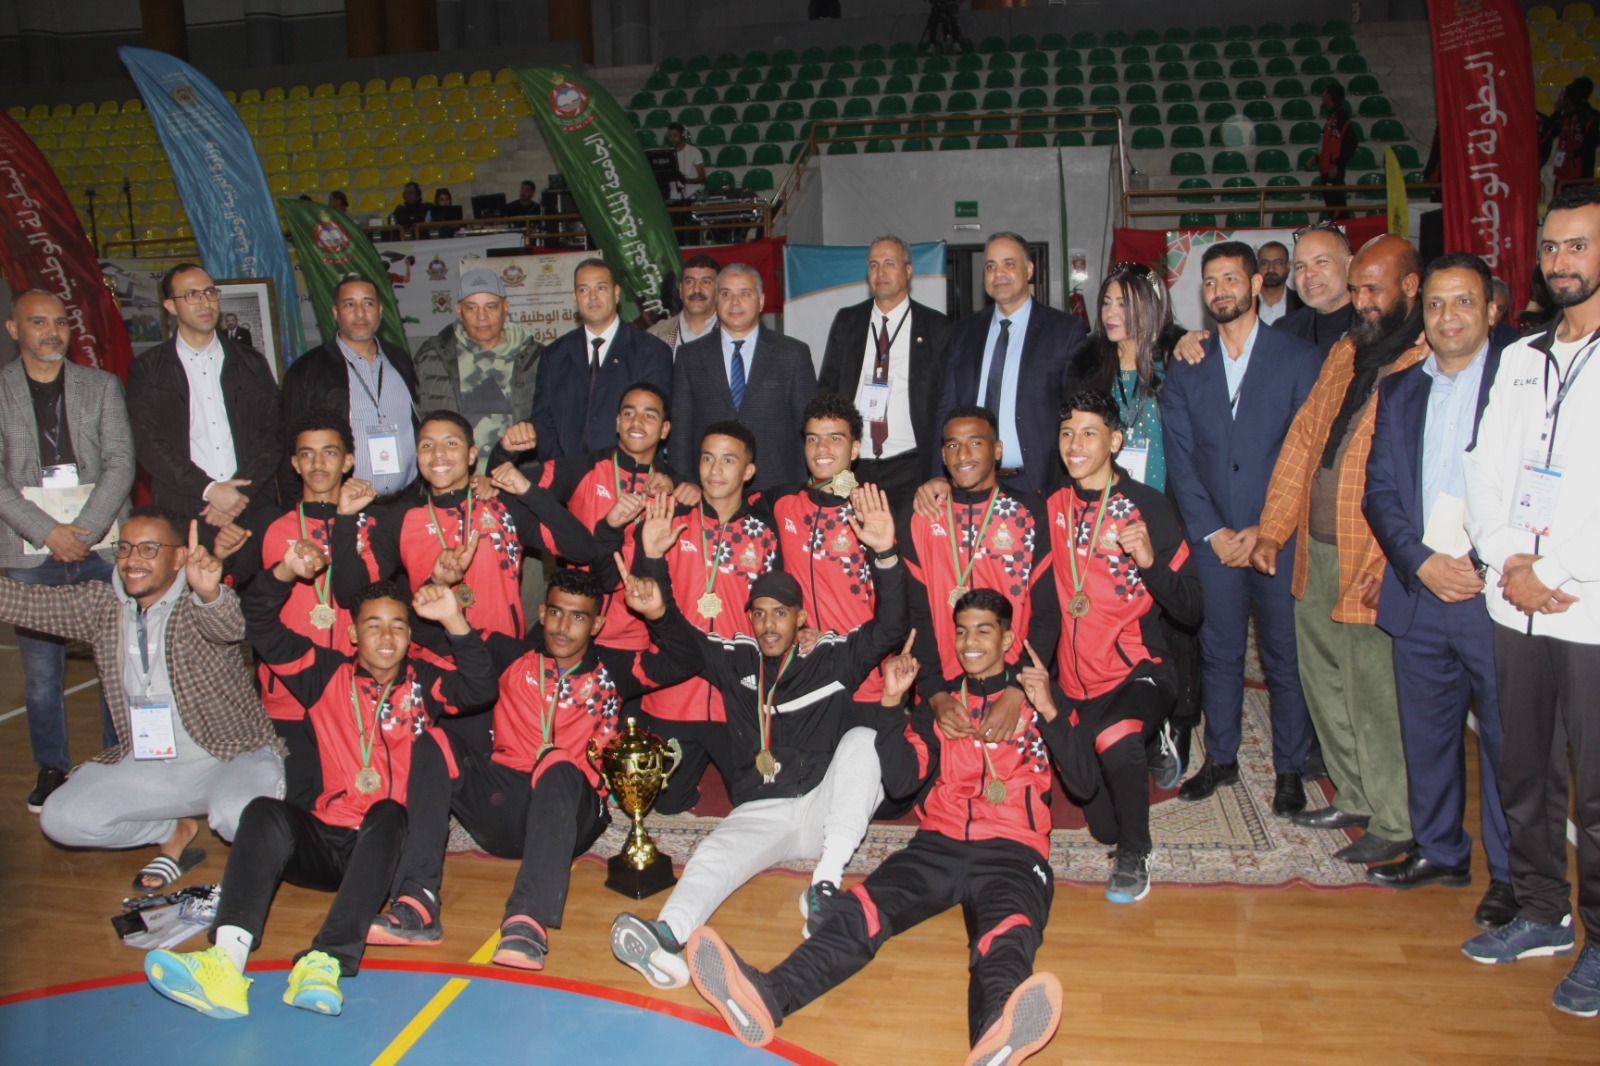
(843,484)
(323,616)
(1078,606)
(956,594)
(766,764)
(542,749)
(709,605)
(995,791)
(367,781)
(465,596)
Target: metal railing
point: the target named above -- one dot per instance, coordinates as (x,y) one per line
(1262,200)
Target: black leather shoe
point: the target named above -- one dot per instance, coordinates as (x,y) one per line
(1288,795)
(1212,776)
(1330,818)
(1373,848)
(1414,871)
(1499,906)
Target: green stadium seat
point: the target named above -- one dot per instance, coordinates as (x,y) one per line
(1033,76)
(833,88)
(954,144)
(736,94)
(658,119)
(1229,163)
(688,79)
(1244,68)
(1281,181)
(1068,139)
(1279,66)
(711,136)
(841,70)
(1375,107)
(800,90)
(1305,133)
(857,107)
(1250,89)
(898,84)
(719,78)
(1068,57)
(1136,53)
(1271,49)
(724,115)
(1351,64)
(1314,65)
(1035,59)
(1195,198)
(994,140)
(1307,46)
(1173,72)
(994,122)
(969,64)
(692,116)
(1105,96)
(750,76)
(997,100)
(1148,137)
(1241,182)
(789,111)
(1033,140)
(1343,45)
(1103,75)
(1320,85)
(1307,160)
(932,83)
(1069,96)
(1177,92)
(1188,137)
(1242,219)
(1407,156)
(1138,72)
(823,109)
(1033,120)
(769,91)
(1229,135)
(966,80)
(1363,85)
(1197,220)
(906,65)
(842,148)
(1220,111)
(1267,133)
(915,144)
(879,146)
(1203,50)
(936,64)
(926,104)
(1288,88)
(1000,79)
(1052,41)
(1114,38)
(1069,76)
(1272,161)
(1002,61)
(1388,129)
(1169,53)
(960,124)
(810,72)
(892,106)
(1259,111)
(1238,50)
(780,131)
(1297,110)
(656,82)
(642,99)
(767,155)
(1033,98)
(872,68)
(962,101)
(1101,56)
(1144,115)
(719,180)
(1286,219)
(733,155)
(757,113)
(1182,113)
(1208,68)
(867,86)
(674,98)
(744,133)
(1215,90)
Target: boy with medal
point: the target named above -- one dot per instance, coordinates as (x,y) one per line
(983,843)
(321,451)
(714,551)
(981,535)
(1126,557)
(805,777)
(368,710)
(458,536)
(537,798)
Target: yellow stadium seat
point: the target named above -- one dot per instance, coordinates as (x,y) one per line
(391,156)
(362,157)
(153,234)
(249,112)
(454,152)
(333,160)
(442,134)
(463,113)
(301,142)
(248,96)
(519,109)
(117,157)
(430,174)
(336,178)
(354,120)
(350,88)
(1559,32)
(381,123)
(159,213)
(61,111)
(109,107)
(102,123)
(1541,13)
(297,109)
(135,106)
(138,171)
(385,136)
(275,163)
(324,90)
(1592,72)
(297,125)
(94,140)
(120,138)
(400,84)
(299,92)
(510,90)
(376,102)
(322,106)
(162,171)
(366,178)
(453,80)
(491,111)
(358,139)
(45,141)
(274,92)
(347,105)
(372,201)
(324,123)
(1577,12)
(395,177)
(414,135)
(273,127)
(485,94)
(421,153)
(63,158)
(303,161)
(126,121)
(39,111)
(329,140)
(485,150)
(146,135)
(503,130)
(274,109)
(460,172)
(183,232)
(402,101)
(85,108)
(430,98)
(407,116)
(70,140)
(427,81)
(1555,75)
(474,131)
(504,76)
(309,182)
(163,190)
(480,77)
(456,97)
(1577,52)
(375,85)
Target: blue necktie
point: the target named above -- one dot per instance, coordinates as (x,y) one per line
(997,369)
(736,376)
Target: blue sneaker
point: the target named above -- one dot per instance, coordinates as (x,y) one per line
(1578,993)
(1520,939)
(1130,876)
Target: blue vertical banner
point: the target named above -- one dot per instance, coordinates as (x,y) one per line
(220,180)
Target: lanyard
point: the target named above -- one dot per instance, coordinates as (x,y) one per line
(983,708)
(1132,420)
(716,549)
(52,436)
(1094,534)
(327,574)
(361,377)
(977,545)
(767,699)
(880,361)
(466,522)
(364,742)
(547,725)
(1579,361)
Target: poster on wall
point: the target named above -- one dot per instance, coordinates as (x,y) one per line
(822,279)
(424,275)
(538,290)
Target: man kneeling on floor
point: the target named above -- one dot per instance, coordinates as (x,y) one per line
(808,782)
(983,843)
(368,712)
(537,798)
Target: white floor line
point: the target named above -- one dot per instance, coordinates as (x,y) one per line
(75,688)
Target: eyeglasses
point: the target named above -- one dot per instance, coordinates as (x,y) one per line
(1330,226)
(209,294)
(147,549)
(1272,262)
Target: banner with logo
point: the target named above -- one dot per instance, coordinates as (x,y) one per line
(1395,190)
(539,290)
(1489,171)
(820,280)
(596,150)
(424,274)
(764,256)
(329,247)
(219,179)
(44,247)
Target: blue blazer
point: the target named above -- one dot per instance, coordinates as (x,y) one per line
(1047,348)
(1219,465)
(1393,502)
(561,401)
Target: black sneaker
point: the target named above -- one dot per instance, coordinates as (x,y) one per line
(738,991)
(1212,776)
(814,904)
(50,779)
(1166,766)
(411,921)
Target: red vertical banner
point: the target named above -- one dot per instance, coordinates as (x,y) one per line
(1489,169)
(43,246)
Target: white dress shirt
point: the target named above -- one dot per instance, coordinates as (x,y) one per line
(902,438)
(210,435)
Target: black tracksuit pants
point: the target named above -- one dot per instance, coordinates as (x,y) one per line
(278,842)
(1120,721)
(1004,890)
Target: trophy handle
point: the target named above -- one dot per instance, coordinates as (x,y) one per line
(677,758)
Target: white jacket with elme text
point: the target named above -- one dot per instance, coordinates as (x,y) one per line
(1513,426)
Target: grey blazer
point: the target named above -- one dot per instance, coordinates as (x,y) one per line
(97,420)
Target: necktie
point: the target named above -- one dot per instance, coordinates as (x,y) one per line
(880,376)
(997,369)
(594,369)
(736,376)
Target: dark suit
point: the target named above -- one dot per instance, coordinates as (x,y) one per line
(929,336)
(1051,338)
(1443,652)
(320,381)
(1219,464)
(239,335)
(158,407)
(563,406)
(779,382)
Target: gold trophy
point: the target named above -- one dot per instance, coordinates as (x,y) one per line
(634,767)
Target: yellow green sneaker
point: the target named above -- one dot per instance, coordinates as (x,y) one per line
(314,984)
(205,980)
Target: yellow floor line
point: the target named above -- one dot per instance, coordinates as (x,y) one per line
(417,1026)
(485,953)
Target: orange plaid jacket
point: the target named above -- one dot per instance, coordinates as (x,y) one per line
(1288,509)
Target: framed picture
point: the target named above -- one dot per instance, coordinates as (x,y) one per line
(247,315)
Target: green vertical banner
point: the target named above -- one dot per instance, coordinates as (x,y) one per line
(597,152)
(331,247)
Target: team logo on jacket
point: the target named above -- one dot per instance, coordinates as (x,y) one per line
(1003,538)
(748,681)
(748,558)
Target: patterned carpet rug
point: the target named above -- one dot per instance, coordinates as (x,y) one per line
(1230,839)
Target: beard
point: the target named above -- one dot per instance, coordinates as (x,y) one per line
(1366,331)
(1273,281)
(1224,317)
(1574,297)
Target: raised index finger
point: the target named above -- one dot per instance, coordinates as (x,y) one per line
(1033,655)
(194,534)
(910,639)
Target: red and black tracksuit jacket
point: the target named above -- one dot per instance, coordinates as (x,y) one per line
(833,567)
(320,679)
(272,534)
(1013,559)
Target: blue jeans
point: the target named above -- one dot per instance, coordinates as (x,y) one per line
(44,663)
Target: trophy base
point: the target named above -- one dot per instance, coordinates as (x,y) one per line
(623,878)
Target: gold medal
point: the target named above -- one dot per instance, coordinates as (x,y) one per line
(956,594)
(995,791)
(323,616)
(709,605)
(843,484)
(766,763)
(465,596)
(542,749)
(1078,606)
(367,781)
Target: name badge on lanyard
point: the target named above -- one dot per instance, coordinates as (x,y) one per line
(874,403)
(1135,459)
(154,735)
(1533,502)
(60,476)
(383,449)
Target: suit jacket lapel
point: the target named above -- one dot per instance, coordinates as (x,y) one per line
(919,375)
(1214,382)
(855,354)
(1414,418)
(756,370)
(980,341)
